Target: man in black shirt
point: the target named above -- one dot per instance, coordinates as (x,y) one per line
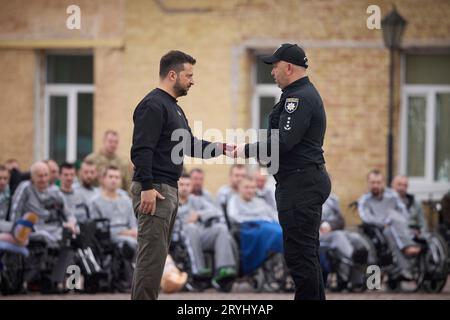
(303,184)
(161,137)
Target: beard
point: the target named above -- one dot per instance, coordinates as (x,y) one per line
(179,89)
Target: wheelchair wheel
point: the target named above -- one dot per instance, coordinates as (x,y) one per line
(11,273)
(257,280)
(418,273)
(275,274)
(436,264)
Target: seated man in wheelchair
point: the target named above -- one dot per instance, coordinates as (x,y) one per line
(259,231)
(54,222)
(74,201)
(416,216)
(202,228)
(435,247)
(237,173)
(382,208)
(264,190)
(117,207)
(347,250)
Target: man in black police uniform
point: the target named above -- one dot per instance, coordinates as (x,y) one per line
(303,184)
(158,162)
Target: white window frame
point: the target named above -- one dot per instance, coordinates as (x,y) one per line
(71,91)
(262,90)
(423,187)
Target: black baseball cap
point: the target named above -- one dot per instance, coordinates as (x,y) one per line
(288,52)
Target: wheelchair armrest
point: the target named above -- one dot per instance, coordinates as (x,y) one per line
(370,227)
(211,221)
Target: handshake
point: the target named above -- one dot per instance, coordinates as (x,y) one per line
(233,150)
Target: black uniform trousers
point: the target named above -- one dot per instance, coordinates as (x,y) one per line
(300,195)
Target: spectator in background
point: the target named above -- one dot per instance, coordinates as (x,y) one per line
(237,173)
(118,209)
(5,199)
(73,201)
(16,176)
(197,179)
(85,186)
(263,190)
(383,207)
(416,217)
(246,206)
(53,174)
(331,235)
(36,196)
(201,233)
(107,156)
(260,233)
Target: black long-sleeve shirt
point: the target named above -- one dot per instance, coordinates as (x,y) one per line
(301,120)
(158,143)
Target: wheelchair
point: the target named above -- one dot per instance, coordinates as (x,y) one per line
(271,276)
(341,273)
(442,236)
(12,260)
(179,252)
(105,265)
(101,262)
(429,269)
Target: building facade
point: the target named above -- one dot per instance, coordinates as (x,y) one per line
(62,88)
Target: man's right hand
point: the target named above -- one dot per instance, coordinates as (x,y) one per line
(148,201)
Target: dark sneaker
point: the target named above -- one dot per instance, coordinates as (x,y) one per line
(224,278)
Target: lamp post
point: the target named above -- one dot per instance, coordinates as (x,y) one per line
(393,27)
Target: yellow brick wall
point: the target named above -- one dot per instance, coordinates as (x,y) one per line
(348,63)
(17,105)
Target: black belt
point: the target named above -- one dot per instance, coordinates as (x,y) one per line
(313,166)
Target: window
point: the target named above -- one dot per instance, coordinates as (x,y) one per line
(69,94)
(425,129)
(266,94)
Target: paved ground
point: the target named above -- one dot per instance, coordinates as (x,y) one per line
(243,292)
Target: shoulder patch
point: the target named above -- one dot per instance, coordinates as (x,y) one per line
(291,104)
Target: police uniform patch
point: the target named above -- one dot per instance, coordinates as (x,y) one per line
(291,104)
(288,126)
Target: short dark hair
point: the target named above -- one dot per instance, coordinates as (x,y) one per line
(375,172)
(185,175)
(88,162)
(174,60)
(236,166)
(110,131)
(66,165)
(198,170)
(3,168)
(110,167)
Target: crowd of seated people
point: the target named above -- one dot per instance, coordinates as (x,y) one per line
(382,207)
(63,196)
(201,227)
(62,199)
